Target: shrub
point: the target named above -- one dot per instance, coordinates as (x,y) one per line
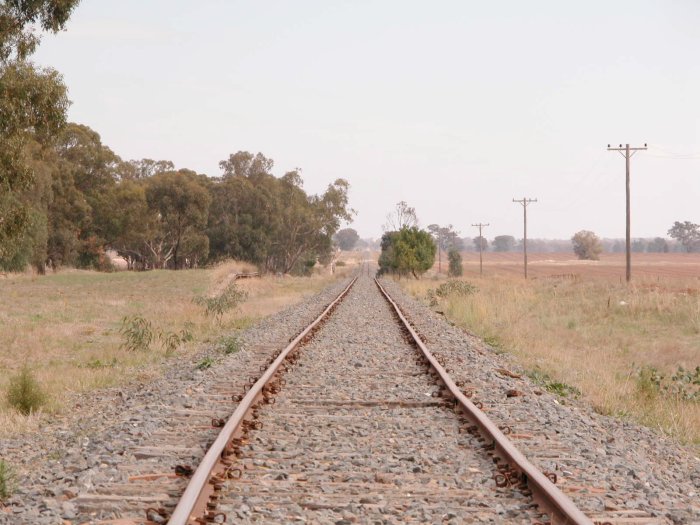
(24,392)
(683,384)
(455,268)
(407,251)
(230,344)
(649,381)
(205,363)
(138,333)
(450,288)
(218,305)
(542,378)
(587,245)
(459,288)
(7,480)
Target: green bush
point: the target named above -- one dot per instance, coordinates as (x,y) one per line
(455,269)
(24,392)
(542,378)
(459,288)
(218,305)
(230,344)
(683,384)
(205,363)
(407,251)
(7,480)
(138,333)
(450,288)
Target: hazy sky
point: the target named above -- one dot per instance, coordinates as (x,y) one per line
(453,106)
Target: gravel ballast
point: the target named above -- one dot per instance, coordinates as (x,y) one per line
(113,453)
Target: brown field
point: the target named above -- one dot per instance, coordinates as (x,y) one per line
(578,323)
(610,266)
(65,326)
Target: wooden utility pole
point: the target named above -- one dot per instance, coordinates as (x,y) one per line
(627,152)
(525,201)
(481,247)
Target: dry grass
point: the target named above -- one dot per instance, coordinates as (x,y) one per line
(65,326)
(595,335)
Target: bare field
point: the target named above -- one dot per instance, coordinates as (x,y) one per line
(621,346)
(610,266)
(66,326)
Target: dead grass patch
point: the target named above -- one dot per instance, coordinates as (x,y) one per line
(66,326)
(597,336)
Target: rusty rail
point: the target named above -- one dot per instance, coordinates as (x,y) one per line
(553,501)
(194,499)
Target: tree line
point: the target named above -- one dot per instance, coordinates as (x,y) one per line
(84,199)
(66,198)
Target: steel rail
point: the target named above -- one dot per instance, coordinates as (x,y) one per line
(552,500)
(198,490)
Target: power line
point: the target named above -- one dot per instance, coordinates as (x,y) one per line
(628,153)
(481,246)
(525,201)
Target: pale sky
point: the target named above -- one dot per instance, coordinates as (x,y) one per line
(454,106)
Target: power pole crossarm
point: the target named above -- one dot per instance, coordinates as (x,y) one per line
(525,201)
(627,152)
(481,247)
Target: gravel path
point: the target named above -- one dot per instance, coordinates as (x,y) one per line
(613,470)
(341,444)
(112,453)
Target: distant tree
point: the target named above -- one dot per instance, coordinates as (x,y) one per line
(618,246)
(346,238)
(503,243)
(181,201)
(402,217)
(305,225)
(455,269)
(129,230)
(638,245)
(445,237)
(480,241)
(467,244)
(587,245)
(271,221)
(408,250)
(687,233)
(658,245)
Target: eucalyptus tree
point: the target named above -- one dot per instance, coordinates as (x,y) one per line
(33,104)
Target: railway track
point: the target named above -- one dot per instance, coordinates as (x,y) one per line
(353,427)
(349,426)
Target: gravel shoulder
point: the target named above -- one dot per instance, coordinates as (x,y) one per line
(82,466)
(608,467)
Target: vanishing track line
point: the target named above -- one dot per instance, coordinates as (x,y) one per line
(359,423)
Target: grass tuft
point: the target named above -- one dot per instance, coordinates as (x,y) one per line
(7,480)
(24,392)
(229,344)
(205,363)
(543,379)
